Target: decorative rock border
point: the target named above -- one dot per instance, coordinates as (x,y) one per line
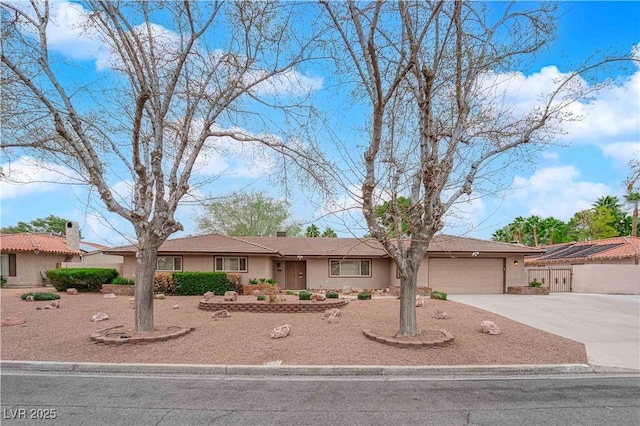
(213,305)
(418,342)
(110,335)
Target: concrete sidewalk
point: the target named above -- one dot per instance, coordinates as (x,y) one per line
(608,325)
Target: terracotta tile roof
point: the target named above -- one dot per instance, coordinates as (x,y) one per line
(45,243)
(320,247)
(586,251)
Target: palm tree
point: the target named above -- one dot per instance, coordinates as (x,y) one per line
(328,232)
(555,230)
(517,228)
(312,231)
(633,198)
(502,235)
(532,223)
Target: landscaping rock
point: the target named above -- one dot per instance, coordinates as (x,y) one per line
(29,299)
(15,319)
(357,290)
(221,314)
(419,301)
(209,295)
(230,296)
(332,319)
(176,306)
(256,293)
(440,314)
(335,312)
(317,297)
(282,331)
(490,327)
(99,317)
(110,296)
(132,302)
(281,298)
(160,296)
(346,289)
(54,305)
(72,291)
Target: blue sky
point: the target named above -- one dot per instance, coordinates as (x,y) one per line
(590,161)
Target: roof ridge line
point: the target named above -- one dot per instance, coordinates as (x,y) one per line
(250,242)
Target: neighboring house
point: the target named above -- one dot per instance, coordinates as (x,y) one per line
(610,265)
(25,256)
(453,264)
(94,254)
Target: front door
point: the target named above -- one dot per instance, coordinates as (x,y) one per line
(296,275)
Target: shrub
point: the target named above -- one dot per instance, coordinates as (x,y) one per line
(271,281)
(123,281)
(253,281)
(198,283)
(332,295)
(289,292)
(535,283)
(262,297)
(40,296)
(236,281)
(163,283)
(438,295)
(83,279)
(304,295)
(3,281)
(364,295)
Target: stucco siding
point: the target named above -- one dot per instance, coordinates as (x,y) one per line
(606,279)
(318,276)
(29,267)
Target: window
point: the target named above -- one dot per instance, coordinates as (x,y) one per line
(231,264)
(8,265)
(169,263)
(350,268)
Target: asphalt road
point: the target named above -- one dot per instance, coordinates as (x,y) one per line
(81,399)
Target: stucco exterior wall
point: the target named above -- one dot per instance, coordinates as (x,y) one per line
(318,276)
(606,279)
(99,257)
(116,266)
(29,265)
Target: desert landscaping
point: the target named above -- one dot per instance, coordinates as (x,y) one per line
(244,338)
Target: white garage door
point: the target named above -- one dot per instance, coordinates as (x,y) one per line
(466,275)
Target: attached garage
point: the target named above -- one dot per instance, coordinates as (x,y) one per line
(470,275)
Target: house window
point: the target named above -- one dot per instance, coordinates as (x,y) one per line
(231,264)
(169,263)
(8,265)
(350,268)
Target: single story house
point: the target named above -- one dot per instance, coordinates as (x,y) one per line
(609,266)
(453,264)
(25,256)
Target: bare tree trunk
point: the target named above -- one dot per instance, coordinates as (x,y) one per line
(408,318)
(145,273)
(634,222)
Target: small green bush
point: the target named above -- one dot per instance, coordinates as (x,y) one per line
(364,295)
(198,283)
(304,295)
(83,279)
(123,281)
(253,281)
(535,283)
(438,295)
(271,281)
(289,292)
(332,295)
(262,297)
(40,296)
(3,281)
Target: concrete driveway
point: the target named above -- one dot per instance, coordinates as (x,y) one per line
(608,325)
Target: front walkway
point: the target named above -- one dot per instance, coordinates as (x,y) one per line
(608,325)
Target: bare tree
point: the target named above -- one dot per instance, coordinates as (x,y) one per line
(175,76)
(441,123)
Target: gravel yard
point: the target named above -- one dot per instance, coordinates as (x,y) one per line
(244,338)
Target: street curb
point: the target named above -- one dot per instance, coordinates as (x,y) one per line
(302,370)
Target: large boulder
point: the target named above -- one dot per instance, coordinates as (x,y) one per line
(208,295)
(221,314)
(72,291)
(440,314)
(490,327)
(419,301)
(15,319)
(280,332)
(230,296)
(99,317)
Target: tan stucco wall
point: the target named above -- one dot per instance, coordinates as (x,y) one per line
(29,265)
(99,257)
(318,276)
(606,279)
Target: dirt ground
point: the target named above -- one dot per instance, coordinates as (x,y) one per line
(244,338)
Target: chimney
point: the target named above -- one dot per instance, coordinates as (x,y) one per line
(281,234)
(72,234)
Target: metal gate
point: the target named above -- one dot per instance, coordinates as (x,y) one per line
(559,280)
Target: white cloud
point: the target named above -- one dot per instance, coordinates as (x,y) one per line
(290,83)
(548,155)
(27,176)
(622,152)
(555,191)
